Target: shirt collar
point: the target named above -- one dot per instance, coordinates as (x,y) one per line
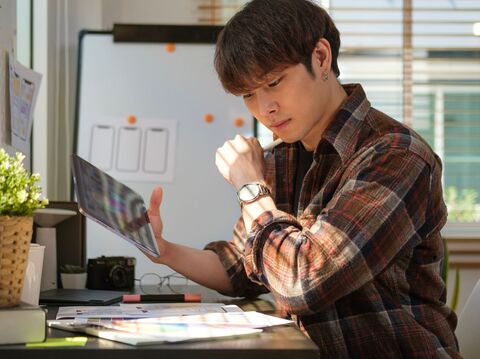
(344,131)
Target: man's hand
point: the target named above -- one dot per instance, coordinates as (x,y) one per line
(241,161)
(157,224)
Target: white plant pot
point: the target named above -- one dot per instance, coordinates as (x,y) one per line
(74,280)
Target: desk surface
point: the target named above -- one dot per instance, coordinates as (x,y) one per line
(275,342)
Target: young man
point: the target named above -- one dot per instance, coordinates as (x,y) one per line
(341,223)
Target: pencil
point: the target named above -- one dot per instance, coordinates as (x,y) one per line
(272,145)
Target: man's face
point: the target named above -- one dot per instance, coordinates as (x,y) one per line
(292,104)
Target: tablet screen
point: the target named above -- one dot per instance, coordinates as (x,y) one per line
(112,204)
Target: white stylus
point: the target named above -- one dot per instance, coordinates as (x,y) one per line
(272,145)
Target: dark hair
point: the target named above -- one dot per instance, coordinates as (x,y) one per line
(270,35)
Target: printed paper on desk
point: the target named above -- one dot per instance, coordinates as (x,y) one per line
(141,335)
(143,310)
(100,312)
(171,332)
(171,309)
(239,319)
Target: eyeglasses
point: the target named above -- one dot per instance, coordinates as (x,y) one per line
(152,283)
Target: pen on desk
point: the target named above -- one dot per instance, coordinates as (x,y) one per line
(159,298)
(272,145)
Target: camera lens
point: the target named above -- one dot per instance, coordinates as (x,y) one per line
(118,277)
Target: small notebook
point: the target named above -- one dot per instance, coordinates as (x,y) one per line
(80,297)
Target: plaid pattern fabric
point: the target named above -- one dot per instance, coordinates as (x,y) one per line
(358,267)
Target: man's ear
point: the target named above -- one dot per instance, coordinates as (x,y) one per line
(322,55)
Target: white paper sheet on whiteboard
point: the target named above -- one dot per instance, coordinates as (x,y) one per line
(143,151)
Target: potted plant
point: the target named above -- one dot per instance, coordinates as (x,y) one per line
(19,197)
(73,276)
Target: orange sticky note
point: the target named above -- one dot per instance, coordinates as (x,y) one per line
(208,118)
(170,47)
(239,122)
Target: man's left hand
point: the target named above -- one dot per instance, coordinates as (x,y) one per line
(241,161)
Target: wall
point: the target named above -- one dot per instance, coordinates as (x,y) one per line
(7,43)
(56,28)
(149,12)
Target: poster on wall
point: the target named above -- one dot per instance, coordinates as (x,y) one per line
(24,84)
(134,148)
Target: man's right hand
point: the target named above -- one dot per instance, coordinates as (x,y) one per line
(157,224)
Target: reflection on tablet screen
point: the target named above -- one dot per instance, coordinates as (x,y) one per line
(112,204)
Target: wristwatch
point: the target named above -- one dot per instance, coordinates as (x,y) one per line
(250,192)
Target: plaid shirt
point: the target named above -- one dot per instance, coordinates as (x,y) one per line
(358,267)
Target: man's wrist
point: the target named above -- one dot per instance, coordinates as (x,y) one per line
(251,211)
(239,184)
(252,192)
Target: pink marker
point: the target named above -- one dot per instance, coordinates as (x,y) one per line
(162,298)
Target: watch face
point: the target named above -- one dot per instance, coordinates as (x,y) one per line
(249,192)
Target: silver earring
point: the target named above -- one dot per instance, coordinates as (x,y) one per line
(325,75)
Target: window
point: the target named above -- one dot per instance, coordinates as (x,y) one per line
(432,44)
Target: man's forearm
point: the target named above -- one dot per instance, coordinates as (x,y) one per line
(252,210)
(201,266)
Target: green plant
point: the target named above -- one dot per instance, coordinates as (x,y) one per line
(462,204)
(19,194)
(71,268)
(456,284)
(456,290)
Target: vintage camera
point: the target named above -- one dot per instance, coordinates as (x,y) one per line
(111,273)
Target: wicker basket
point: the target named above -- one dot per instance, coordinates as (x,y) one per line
(15,238)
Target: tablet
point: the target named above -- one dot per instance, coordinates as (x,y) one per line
(113,205)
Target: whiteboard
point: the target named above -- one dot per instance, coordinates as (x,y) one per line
(158,88)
